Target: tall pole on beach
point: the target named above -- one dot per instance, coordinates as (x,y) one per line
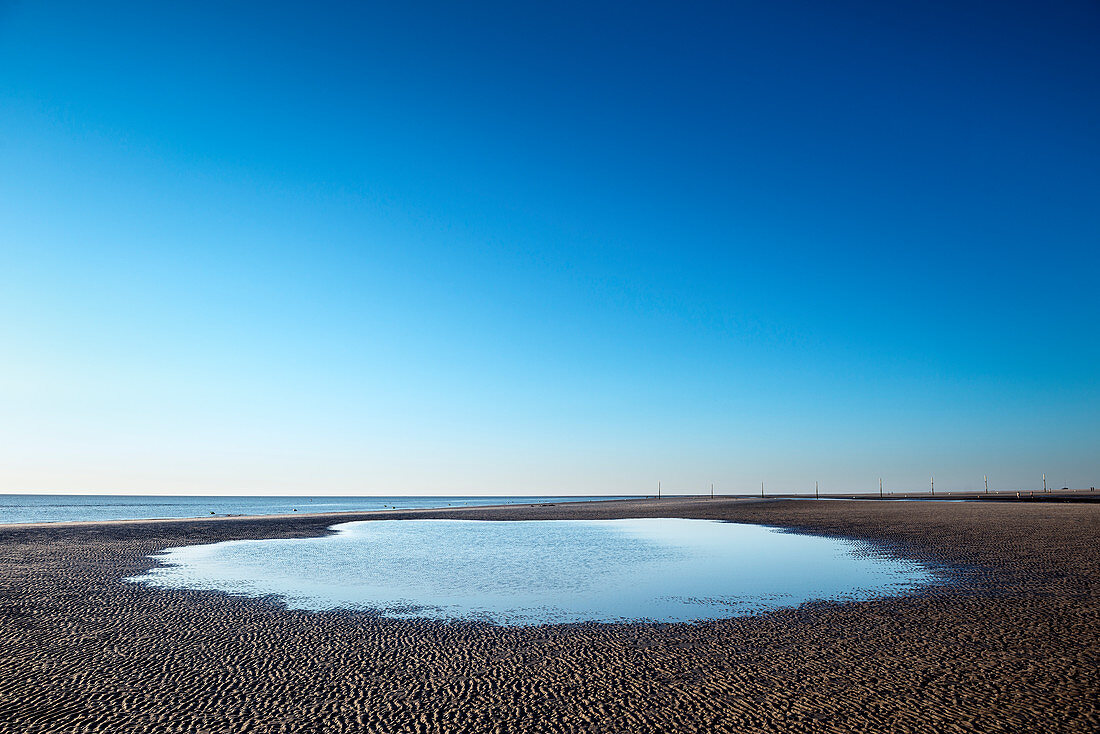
(712,490)
(817,492)
(762,489)
(658,490)
(880,487)
(933,486)
(986,478)
(1044,482)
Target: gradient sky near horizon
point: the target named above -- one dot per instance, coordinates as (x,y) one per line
(510,248)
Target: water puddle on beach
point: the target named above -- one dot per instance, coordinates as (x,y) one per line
(538,572)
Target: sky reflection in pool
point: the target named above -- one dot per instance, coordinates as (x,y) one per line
(534,572)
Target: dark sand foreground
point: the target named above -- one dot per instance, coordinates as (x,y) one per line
(1011,643)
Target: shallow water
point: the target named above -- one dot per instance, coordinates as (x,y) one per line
(15,508)
(534,572)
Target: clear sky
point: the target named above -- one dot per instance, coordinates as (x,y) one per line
(509,248)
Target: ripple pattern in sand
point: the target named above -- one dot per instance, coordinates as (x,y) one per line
(1008,642)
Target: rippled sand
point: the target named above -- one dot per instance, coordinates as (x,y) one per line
(1011,643)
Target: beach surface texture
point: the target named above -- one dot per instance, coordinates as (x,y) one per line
(1009,640)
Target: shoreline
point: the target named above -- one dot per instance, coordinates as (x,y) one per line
(1011,641)
(1070,496)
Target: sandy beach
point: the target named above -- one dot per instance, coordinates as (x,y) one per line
(1009,642)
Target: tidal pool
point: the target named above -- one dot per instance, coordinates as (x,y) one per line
(547,571)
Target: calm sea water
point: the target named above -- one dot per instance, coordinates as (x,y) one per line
(537,572)
(61,508)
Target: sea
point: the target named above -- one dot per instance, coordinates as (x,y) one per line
(23,508)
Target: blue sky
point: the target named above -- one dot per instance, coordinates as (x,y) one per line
(560,248)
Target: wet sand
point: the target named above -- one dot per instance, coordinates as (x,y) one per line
(1009,642)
